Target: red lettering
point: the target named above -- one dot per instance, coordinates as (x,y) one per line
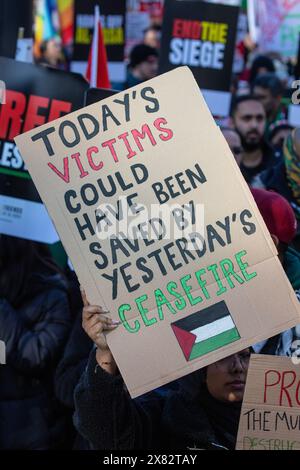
(196,30)
(66,174)
(11,115)
(137,135)
(126,142)
(33,119)
(297,393)
(177,28)
(186,34)
(93,165)
(186,29)
(58,109)
(76,157)
(283,387)
(169,133)
(270,384)
(110,144)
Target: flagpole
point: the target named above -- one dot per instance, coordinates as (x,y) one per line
(251,13)
(94,64)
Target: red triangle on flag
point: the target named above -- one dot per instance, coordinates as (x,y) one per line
(185,339)
(102,80)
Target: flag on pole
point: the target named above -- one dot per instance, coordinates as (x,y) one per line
(46,23)
(97,71)
(66,20)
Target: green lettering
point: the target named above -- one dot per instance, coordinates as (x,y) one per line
(187,289)
(160,301)
(121,311)
(213,268)
(143,311)
(180,305)
(228,270)
(244,265)
(202,283)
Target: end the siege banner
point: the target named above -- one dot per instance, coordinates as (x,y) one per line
(270,416)
(161,229)
(202,36)
(33,95)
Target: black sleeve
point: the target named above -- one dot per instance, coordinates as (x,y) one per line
(108,417)
(32,349)
(73,363)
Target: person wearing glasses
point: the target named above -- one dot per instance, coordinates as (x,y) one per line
(201,413)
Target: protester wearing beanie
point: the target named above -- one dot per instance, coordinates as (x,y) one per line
(281,223)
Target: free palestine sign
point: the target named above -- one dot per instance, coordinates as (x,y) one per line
(161,229)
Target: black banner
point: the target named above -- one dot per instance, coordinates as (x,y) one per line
(202,36)
(32,95)
(13,15)
(93,95)
(113,15)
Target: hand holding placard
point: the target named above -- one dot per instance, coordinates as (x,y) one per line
(217,272)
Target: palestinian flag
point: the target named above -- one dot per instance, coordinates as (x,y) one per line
(205,331)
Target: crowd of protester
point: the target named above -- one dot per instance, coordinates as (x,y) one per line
(60,387)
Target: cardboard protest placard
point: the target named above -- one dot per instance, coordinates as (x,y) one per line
(113,15)
(270,416)
(203,36)
(161,229)
(34,95)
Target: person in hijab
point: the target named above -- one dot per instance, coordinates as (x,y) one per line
(203,413)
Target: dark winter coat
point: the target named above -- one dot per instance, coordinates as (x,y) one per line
(109,419)
(34,334)
(68,373)
(72,364)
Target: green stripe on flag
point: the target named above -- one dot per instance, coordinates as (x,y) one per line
(216,342)
(19,174)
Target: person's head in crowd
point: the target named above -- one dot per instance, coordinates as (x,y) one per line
(234,141)
(224,380)
(51,53)
(152,36)
(269,90)
(278,132)
(20,260)
(278,216)
(143,62)
(249,119)
(261,65)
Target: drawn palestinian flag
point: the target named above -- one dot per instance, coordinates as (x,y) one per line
(205,331)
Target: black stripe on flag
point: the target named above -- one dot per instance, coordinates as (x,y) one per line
(203,317)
